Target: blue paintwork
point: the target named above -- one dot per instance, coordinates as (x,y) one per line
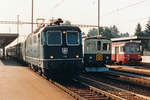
(96,69)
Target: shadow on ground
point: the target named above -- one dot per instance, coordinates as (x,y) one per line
(8,62)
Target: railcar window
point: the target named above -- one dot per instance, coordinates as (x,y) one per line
(122,49)
(43,38)
(34,39)
(54,38)
(109,46)
(91,46)
(105,46)
(98,45)
(132,49)
(72,38)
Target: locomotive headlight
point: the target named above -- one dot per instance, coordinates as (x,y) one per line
(64,32)
(107,57)
(77,56)
(90,57)
(52,57)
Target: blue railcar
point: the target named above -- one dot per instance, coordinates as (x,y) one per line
(97,53)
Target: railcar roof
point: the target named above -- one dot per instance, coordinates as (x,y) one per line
(62,28)
(96,37)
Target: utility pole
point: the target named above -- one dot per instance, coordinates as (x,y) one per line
(32,17)
(99,17)
(18,22)
(17,48)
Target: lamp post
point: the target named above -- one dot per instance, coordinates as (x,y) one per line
(32,17)
(99,17)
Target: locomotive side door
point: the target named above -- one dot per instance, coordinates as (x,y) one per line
(117,54)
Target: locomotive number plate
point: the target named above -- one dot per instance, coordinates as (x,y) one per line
(99,57)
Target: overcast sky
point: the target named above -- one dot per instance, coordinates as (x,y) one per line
(125,14)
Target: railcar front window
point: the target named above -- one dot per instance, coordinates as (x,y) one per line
(98,45)
(90,46)
(54,38)
(72,38)
(133,49)
(106,46)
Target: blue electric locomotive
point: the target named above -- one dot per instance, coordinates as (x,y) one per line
(55,51)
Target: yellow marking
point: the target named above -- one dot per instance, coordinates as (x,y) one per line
(99,57)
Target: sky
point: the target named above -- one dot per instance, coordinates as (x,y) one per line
(125,14)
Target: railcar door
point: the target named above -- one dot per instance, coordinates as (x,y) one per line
(117,54)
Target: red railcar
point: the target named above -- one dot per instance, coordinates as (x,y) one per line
(126,52)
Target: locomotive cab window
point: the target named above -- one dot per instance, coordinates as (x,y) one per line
(98,45)
(54,38)
(72,38)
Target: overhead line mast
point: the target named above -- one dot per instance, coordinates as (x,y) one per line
(99,17)
(32,17)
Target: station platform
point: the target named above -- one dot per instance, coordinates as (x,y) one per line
(134,69)
(20,83)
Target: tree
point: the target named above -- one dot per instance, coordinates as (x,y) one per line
(107,32)
(124,34)
(147,29)
(93,32)
(138,31)
(114,31)
(146,43)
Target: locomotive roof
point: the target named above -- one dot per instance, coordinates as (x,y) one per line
(74,28)
(96,37)
(56,27)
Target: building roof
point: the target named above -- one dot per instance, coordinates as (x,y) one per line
(130,38)
(6,38)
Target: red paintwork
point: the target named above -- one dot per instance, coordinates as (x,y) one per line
(134,58)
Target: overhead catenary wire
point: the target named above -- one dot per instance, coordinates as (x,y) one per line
(123,8)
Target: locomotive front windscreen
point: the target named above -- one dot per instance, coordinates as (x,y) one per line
(133,48)
(72,38)
(54,38)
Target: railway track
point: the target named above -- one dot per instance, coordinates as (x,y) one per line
(94,90)
(83,91)
(127,95)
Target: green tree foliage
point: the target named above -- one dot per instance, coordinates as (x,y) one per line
(138,31)
(108,32)
(124,34)
(93,32)
(114,31)
(147,29)
(146,43)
